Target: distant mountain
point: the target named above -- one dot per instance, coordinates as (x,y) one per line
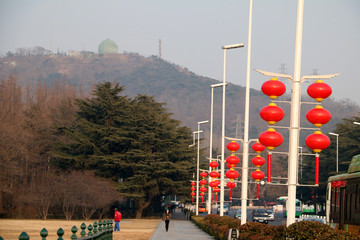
(186,94)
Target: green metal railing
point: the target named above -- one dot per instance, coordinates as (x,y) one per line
(98,231)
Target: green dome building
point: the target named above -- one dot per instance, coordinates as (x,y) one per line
(108,46)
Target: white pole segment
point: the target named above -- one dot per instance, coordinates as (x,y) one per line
(245,165)
(295,118)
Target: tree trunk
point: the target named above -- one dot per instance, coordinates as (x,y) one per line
(141,206)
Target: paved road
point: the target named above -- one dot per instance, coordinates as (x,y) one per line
(179,229)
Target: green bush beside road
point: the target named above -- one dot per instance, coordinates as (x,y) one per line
(219,227)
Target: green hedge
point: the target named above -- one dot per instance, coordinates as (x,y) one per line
(219,227)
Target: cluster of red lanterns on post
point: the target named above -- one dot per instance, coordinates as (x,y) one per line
(214,175)
(203,183)
(232,160)
(272,114)
(192,191)
(318,116)
(258,161)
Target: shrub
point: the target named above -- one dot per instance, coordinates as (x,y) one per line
(316,230)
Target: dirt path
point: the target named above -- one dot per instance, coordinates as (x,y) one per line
(130,229)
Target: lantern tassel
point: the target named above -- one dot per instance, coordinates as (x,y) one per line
(231,194)
(213,196)
(317,168)
(269,167)
(257,191)
(202,199)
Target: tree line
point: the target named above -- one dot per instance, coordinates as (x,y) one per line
(61,153)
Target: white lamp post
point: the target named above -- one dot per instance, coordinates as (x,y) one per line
(356,123)
(222,163)
(198,166)
(295,113)
(337,149)
(211,136)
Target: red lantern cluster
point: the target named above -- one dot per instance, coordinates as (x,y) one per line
(318,116)
(258,161)
(232,160)
(214,175)
(203,183)
(192,191)
(272,114)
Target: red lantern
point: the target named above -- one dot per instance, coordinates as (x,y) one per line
(258,161)
(273,88)
(192,194)
(213,184)
(213,164)
(232,174)
(203,182)
(202,194)
(203,189)
(258,175)
(192,188)
(318,116)
(258,147)
(319,90)
(317,141)
(232,160)
(203,174)
(216,190)
(231,185)
(271,139)
(233,146)
(272,113)
(214,174)
(193,183)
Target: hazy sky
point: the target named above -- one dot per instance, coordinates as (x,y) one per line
(193,31)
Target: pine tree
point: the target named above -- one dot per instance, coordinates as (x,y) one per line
(134,141)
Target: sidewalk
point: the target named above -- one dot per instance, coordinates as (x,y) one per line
(179,229)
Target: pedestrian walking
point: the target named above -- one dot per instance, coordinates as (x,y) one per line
(117,219)
(167,217)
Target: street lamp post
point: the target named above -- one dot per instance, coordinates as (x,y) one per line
(211,137)
(337,149)
(245,163)
(356,123)
(198,166)
(222,177)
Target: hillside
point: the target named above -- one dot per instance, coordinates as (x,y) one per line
(186,94)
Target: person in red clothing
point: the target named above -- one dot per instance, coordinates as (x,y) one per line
(117,219)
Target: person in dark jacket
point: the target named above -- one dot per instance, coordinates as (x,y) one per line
(167,217)
(117,219)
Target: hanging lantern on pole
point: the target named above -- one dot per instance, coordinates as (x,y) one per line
(272,113)
(270,139)
(273,88)
(203,183)
(233,146)
(319,90)
(318,116)
(231,185)
(216,191)
(192,191)
(317,142)
(257,175)
(258,147)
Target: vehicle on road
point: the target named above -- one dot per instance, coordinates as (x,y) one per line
(271,215)
(225,209)
(284,201)
(342,198)
(261,216)
(314,218)
(237,214)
